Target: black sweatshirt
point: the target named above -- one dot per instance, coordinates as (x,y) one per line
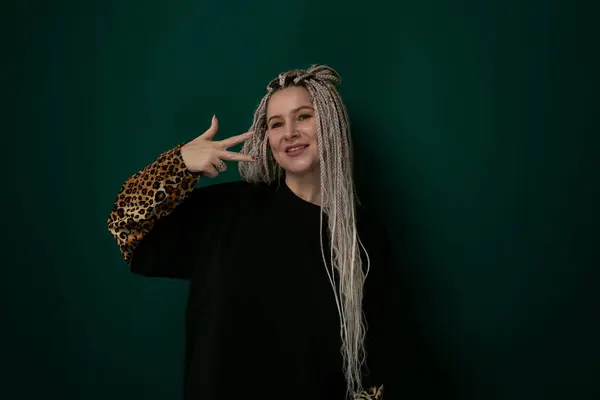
(261,319)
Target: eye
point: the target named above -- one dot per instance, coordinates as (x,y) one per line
(302,117)
(276,125)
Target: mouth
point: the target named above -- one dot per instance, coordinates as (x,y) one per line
(295,148)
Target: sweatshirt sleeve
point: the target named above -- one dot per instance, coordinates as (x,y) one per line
(380,307)
(151,196)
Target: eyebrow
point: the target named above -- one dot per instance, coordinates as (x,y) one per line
(294,110)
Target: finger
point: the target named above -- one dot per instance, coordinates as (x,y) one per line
(219,165)
(212,131)
(211,172)
(233,156)
(232,141)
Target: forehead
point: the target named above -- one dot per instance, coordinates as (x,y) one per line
(285,100)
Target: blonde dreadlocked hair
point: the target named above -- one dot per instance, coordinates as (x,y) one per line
(338,200)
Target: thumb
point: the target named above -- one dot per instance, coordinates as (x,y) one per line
(212,131)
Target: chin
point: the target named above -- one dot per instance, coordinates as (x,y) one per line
(298,167)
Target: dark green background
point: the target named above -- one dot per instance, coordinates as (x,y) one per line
(475,129)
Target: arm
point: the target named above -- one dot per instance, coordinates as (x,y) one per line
(157,219)
(380,307)
(148,200)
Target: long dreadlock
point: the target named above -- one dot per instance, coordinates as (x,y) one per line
(338,200)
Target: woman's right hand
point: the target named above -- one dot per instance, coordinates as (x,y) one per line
(206,156)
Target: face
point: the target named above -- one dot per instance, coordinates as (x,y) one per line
(292,131)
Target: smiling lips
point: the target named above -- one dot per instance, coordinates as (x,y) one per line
(295,150)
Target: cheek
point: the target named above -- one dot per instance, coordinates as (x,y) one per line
(312,130)
(273,146)
(272,142)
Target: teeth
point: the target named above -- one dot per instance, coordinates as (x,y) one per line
(296,148)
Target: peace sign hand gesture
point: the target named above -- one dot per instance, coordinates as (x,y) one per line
(206,156)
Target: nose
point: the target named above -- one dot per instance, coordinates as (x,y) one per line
(290,131)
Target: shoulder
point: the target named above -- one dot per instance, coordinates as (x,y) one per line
(228,193)
(369,222)
(233,187)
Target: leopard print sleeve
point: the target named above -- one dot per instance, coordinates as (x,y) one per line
(147,196)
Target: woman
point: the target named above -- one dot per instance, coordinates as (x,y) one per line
(277,267)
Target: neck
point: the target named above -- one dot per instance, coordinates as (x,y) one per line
(307,187)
